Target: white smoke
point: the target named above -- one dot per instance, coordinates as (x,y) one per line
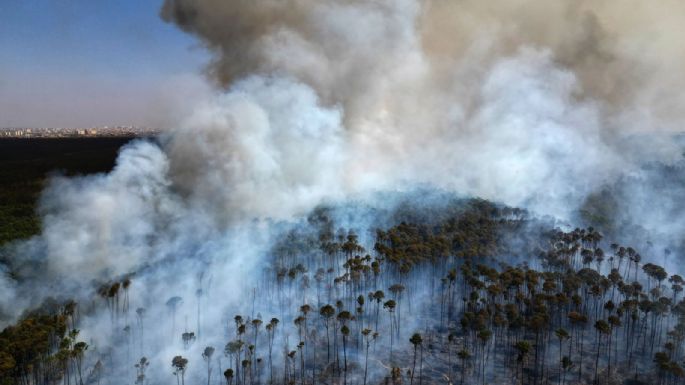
(331,100)
(267,148)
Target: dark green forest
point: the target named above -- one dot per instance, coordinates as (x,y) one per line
(25,165)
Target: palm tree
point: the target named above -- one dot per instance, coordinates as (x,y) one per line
(180,365)
(562,335)
(602,327)
(141,367)
(125,284)
(637,259)
(415,340)
(378,297)
(113,295)
(327,312)
(305,309)
(523,348)
(450,341)
(207,356)
(484,336)
(231,350)
(246,365)
(299,322)
(614,322)
(188,338)
(345,331)
(271,330)
(228,375)
(397,290)
(579,321)
(256,324)
(390,306)
(361,301)
(238,319)
(366,333)
(662,361)
(566,365)
(343,317)
(538,325)
(360,317)
(79,350)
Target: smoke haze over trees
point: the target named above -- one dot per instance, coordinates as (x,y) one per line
(377,190)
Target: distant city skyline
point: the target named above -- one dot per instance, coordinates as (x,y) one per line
(86,63)
(59,132)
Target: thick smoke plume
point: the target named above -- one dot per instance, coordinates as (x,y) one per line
(541,89)
(530,103)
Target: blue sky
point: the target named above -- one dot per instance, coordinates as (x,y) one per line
(90,62)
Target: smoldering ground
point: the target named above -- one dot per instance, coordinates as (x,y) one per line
(528,103)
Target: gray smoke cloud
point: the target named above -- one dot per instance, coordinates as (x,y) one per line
(543,90)
(528,102)
(626,54)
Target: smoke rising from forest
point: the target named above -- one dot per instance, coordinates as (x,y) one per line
(530,103)
(548,93)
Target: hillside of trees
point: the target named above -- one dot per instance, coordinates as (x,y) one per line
(470,293)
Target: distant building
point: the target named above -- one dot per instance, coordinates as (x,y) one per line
(51,132)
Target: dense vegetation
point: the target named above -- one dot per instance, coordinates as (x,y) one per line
(435,300)
(461,292)
(25,165)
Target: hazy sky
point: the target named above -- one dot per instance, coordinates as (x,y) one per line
(91,62)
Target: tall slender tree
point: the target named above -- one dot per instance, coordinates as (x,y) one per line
(180,365)
(417,341)
(562,335)
(207,356)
